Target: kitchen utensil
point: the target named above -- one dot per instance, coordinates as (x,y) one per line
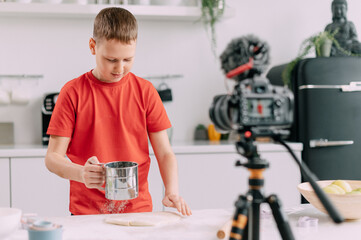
(165,92)
(82,2)
(121,180)
(224,231)
(6,133)
(45,230)
(167,2)
(349,205)
(20,95)
(21,1)
(139,2)
(4,97)
(9,221)
(103,1)
(47,1)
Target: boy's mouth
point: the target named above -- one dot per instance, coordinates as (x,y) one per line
(116,75)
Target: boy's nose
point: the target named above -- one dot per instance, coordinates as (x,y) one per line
(119,67)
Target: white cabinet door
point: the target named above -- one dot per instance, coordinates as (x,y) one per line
(213,181)
(210,180)
(4,182)
(36,190)
(282,177)
(155,184)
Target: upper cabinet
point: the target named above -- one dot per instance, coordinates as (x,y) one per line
(147,12)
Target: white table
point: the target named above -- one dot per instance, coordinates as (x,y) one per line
(203,224)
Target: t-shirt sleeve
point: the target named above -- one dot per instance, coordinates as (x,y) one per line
(62,120)
(157,119)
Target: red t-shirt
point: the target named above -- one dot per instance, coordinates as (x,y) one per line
(110,121)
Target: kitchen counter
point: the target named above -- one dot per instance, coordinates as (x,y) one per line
(21,162)
(203,224)
(179,147)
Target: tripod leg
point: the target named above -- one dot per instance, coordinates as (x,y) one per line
(254,218)
(240,219)
(281,219)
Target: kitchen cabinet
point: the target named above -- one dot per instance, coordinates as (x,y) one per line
(4,182)
(213,181)
(34,189)
(155,182)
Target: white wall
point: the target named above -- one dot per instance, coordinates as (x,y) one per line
(58,48)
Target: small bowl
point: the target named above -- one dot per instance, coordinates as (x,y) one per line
(9,221)
(349,205)
(46,233)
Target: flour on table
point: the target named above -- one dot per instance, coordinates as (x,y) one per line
(143,219)
(111,206)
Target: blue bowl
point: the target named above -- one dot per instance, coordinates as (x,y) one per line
(52,234)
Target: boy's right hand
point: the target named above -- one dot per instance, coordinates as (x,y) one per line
(93,175)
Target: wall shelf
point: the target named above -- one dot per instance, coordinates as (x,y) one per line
(149,12)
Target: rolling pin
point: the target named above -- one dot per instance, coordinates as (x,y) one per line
(224,231)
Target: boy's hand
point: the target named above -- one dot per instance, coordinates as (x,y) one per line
(176,201)
(93,175)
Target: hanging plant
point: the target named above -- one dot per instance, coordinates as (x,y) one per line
(212,11)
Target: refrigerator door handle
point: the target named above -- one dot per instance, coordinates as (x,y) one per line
(351,87)
(325,143)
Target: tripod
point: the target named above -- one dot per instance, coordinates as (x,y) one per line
(246,219)
(247,216)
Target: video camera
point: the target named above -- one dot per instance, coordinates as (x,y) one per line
(254,103)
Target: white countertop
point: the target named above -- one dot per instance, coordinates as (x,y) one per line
(203,224)
(179,147)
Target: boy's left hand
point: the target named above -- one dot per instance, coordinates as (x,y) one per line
(176,201)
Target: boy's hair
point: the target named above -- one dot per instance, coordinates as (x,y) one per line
(115,23)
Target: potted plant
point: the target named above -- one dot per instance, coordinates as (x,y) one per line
(212,11)
(320,43)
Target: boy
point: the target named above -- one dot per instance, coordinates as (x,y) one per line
(106,115)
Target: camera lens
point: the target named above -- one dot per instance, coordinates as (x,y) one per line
(220,113)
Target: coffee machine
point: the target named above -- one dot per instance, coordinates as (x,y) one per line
(47,108)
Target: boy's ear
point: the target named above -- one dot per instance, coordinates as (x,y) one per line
(92,45)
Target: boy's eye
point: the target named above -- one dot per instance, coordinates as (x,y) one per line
(112,60)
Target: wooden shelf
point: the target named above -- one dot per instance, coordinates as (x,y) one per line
(62,10)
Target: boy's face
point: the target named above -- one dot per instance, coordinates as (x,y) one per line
(114,59)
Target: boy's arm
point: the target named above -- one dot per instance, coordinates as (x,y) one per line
(169,171)
(91,175)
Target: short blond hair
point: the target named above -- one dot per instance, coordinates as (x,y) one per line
(115,23)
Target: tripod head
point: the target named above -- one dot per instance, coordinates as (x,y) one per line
(248,149)
(246,146)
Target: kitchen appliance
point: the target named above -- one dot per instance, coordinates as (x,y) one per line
(121,180)
(327,118)
(328,115)
(47,109)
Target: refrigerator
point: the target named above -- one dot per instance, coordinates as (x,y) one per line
(327,115)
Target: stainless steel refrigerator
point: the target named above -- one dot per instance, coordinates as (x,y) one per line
(328,115)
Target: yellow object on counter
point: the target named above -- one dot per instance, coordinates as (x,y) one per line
(213,135)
